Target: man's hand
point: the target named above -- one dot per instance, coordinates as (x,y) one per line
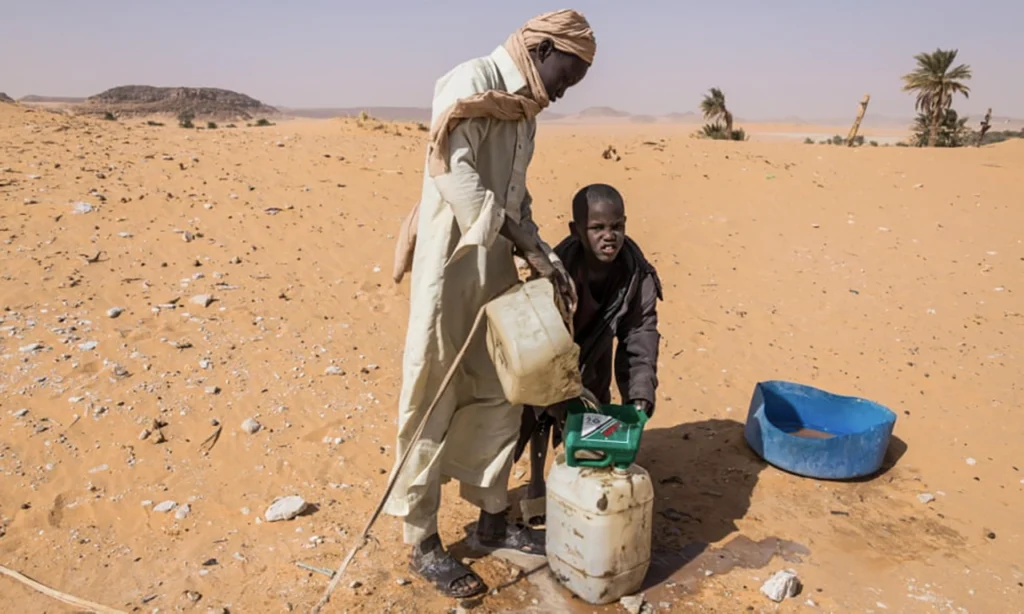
(566,287)
(644,406)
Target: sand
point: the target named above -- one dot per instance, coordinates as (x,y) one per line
(889,273)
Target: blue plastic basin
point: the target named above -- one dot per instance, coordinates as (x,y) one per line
(817,434)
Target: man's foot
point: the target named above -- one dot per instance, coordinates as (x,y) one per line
(494,533)
(432,563)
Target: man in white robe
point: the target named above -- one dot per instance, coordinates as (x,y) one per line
(474,212)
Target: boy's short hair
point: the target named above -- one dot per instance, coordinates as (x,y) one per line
(594,193)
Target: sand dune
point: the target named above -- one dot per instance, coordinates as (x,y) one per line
(243,264)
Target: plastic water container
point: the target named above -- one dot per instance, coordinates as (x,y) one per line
(599,529)
(609,435)
(533,352)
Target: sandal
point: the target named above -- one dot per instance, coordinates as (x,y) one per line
(448,575)
(517,537)
(534,511)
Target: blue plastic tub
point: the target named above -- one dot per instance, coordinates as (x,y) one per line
(817,434)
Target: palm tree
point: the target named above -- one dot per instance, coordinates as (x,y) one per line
(936,81)
(713,107)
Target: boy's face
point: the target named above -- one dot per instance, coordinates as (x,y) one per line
(605,231)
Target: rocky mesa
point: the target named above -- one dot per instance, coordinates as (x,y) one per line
(203,102)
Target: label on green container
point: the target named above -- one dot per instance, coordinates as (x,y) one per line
(597,426)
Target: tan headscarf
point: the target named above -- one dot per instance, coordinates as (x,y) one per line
(570,33)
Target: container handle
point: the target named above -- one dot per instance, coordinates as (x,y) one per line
(595,463)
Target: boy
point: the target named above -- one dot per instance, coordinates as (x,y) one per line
(618,291)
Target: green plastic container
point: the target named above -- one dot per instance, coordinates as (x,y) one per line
(613,434)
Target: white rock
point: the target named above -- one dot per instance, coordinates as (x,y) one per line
(926,497)
(182,512)
(212,390)
(251,426)
(782,585)
(971,462)
(285,508)
(634,604)
(32,347)
(82,208)
(202,300)
(333,370)
(164,506)
(113,312)
(21,413)
(87,346)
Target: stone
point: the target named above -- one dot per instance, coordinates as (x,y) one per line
(88,346)
(926,497)
(285,508)
(164,506)
(182,512)
(251,426)
(203,300)
(634,604)
(333,370)
(81,208)
(781,585)
(21,413)
(32,347)
(114,312)
(213,390)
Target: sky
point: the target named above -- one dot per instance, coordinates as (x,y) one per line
(773,59)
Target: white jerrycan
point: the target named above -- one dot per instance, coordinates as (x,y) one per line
(599,529)
(533,352)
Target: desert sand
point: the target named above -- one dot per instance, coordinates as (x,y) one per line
(888,273)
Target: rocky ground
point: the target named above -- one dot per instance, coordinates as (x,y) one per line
(197,323)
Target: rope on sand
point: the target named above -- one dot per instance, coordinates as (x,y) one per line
(59,596)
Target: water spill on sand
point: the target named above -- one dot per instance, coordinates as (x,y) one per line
(673,572)
(690,566)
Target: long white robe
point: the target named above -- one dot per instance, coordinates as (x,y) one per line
(460,263)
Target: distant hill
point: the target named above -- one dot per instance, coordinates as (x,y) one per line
(395,114)
(5,98)
(204,102)
(34,98)
(602,113)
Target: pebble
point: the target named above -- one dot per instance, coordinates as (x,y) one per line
(32,347)
(781,585)
(164,506)
(203,300)
(634,604)
(333,370)
(88,346)
(81,208)
(251,426)
(926,497)
(182,512)
(212,390)
(971,462)
(354,584)
(285,508)
(114,312)
(403,582)
(21,413)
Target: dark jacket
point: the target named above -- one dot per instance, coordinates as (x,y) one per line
(629,314)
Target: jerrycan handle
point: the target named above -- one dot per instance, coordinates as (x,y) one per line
(594,463)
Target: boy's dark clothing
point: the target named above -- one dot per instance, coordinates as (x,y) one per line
(627,310)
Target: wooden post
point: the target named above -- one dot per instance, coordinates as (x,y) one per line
(856,123)
(985,125)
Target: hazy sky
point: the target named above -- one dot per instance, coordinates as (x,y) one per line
(773,58)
